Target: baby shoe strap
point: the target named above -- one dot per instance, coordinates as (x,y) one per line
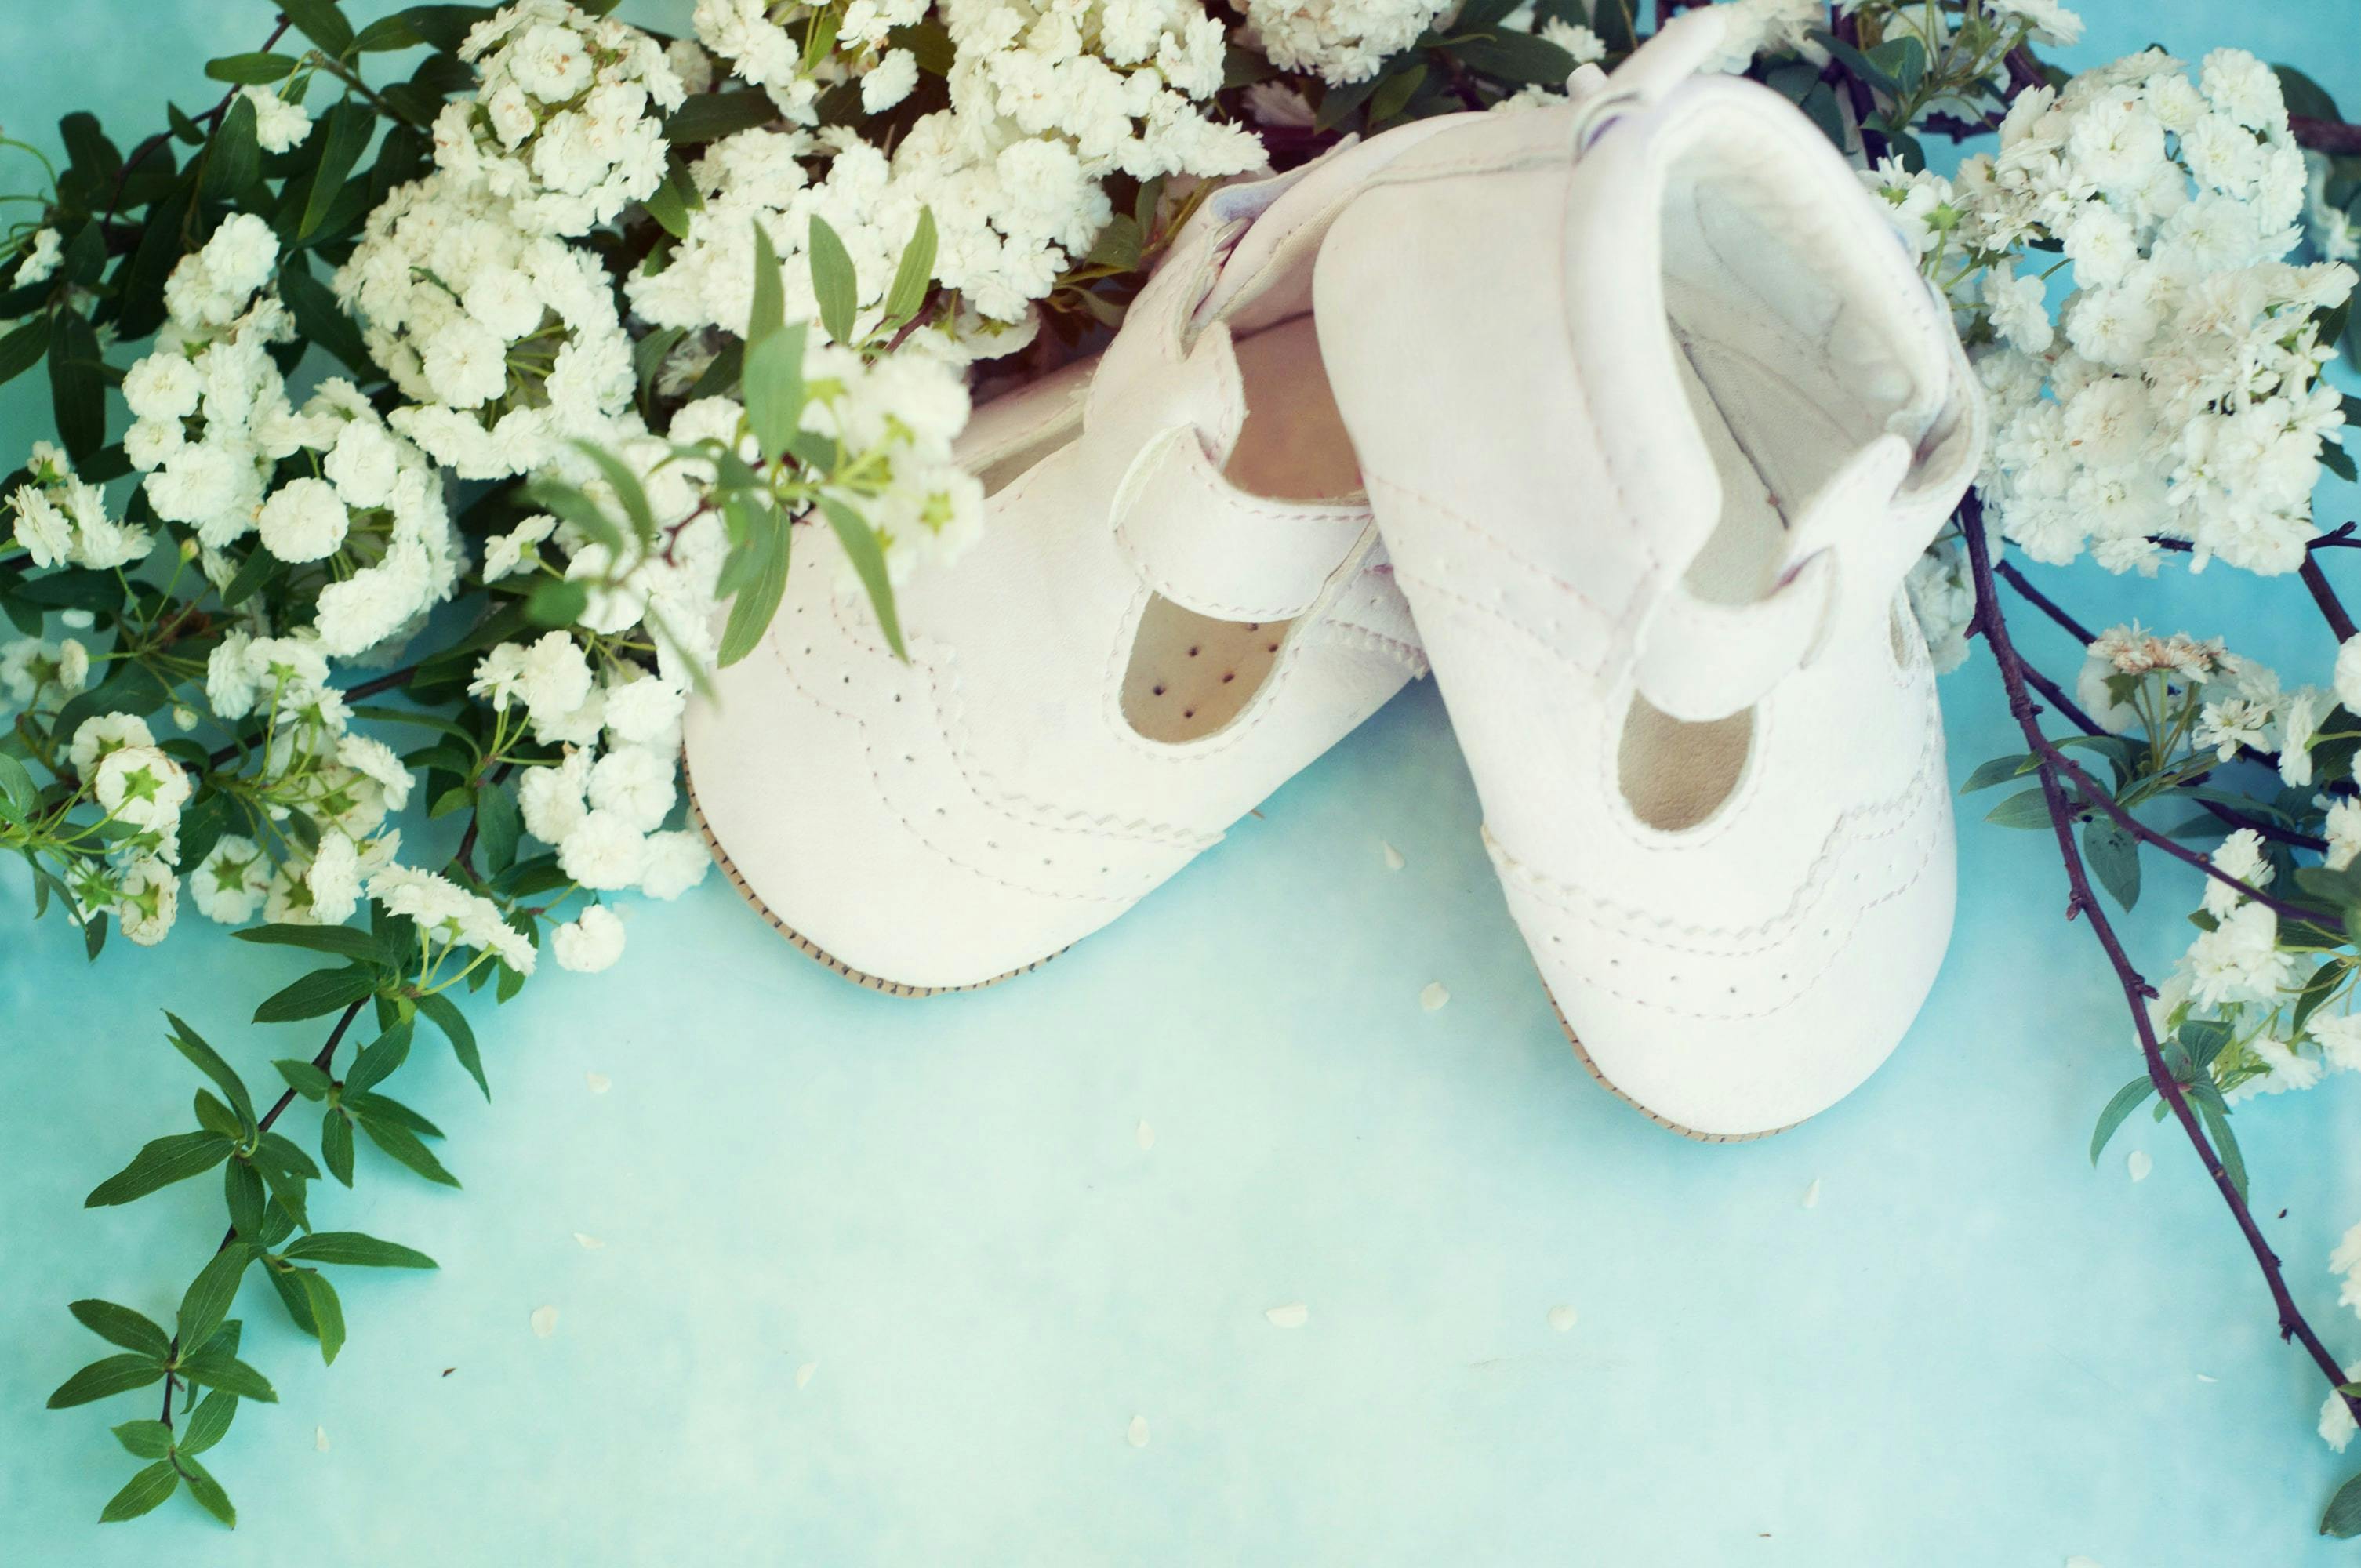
(1702,659)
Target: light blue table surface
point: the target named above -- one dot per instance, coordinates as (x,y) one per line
(1973,1350)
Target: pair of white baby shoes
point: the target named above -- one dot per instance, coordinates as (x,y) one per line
(1629,415)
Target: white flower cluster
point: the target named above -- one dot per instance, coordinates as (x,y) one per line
(141,790)
(1048,101)
(505,340)
(764,43)
(2178,393)
(1340,42)
(563,123)
(281,123)
(340,784)
(62,518)
(213,425)
(602,807)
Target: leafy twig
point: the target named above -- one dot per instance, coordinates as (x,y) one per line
(2081,900)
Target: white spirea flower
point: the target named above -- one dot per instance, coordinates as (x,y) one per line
(2186,401)
(230,882)
(103,734)
(505,340)
(2336,1424)
(62,518)
(635,783)
(41,258)
(676,861)
(590,943)
(334,878)
(566,126)
(2240,856)
(147,900)
(604,852)
(448,913)
(303,521)
(278,124)
(2239,959)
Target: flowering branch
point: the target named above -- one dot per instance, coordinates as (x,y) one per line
(2082,901)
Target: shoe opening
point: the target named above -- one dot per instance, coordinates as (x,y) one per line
(1190,675)
(1793,355)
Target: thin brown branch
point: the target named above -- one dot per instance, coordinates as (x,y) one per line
(2334,138)
(2332,609)
(1994,624)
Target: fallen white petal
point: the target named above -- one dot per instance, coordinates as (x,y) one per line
(1561,1318)
(544,1320)
(1294,1315)
(1393,856)
(2203,1378)
(598,1082)
(803,1374)
(1147,1136)
(1433,996)
(2139,1165)
(320,1439)
(1136,1434)
(1812,1194)
(589,1244)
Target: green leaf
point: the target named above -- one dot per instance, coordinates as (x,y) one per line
(212,1419)
(144,1493)
(321,992)
(206,1490)
(101,1379)
(499,827)
(1338,102)
(1394,94)
(320,21)
(2113,854)
(337,1146)
(1521,58)
(709,116)
(835,284)
(2126,1100)
(205,1305)
(556,602)
(343,941)
(321,321)
(2343,1518)
(444,1014)
(77,383)
(344,135)
(160,1162)
(251,70)
(303,1078)
(917,271)
(144,1439)
(233,159)
(121,1325)
(352,1248)
(2225,1142)
(385,34)
(327,1312)
(1999,769)
(403,1144)
(2304,96)
(765,575)
(191,1045)
(378,1062)
(868,558)
(220,1370)
(22,349)
(445,27)
(242,1188)
(2028,808)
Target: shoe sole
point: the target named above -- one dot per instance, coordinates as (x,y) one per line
(804,944)
(1669,1125)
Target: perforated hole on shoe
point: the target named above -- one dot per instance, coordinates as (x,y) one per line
(1191,675)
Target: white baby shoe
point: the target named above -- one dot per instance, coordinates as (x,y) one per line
(1656,413)
(1178,600)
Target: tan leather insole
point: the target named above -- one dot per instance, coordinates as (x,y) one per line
(1190,674)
